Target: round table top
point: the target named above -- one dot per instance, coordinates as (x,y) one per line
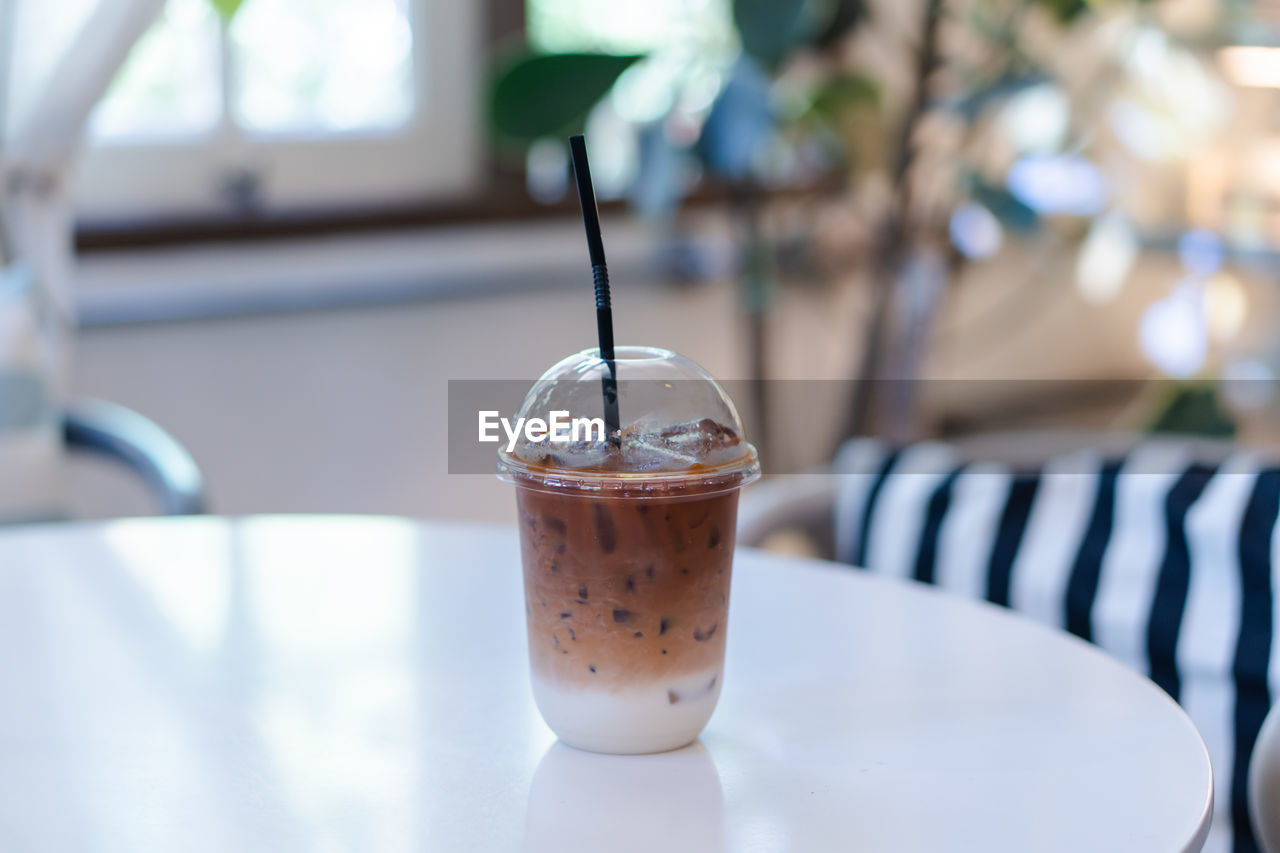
(361,684)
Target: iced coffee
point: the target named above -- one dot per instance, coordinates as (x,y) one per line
(627,547)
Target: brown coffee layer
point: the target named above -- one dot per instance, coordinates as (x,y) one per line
(625,591)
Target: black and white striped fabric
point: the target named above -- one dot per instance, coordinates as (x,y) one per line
(1168,563)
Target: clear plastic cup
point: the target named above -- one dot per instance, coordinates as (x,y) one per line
(628,551)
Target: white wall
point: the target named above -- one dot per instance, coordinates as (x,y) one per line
(343,410)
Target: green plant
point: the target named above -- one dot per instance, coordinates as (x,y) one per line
(1193,409)
(519,112)
(800,86)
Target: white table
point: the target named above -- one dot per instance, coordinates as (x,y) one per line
(360,684)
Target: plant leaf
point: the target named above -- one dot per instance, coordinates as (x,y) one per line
(972,103)
(226,9)
(847,16)
(532,96)
(1193,409)
(771,29)
(844,92)
(1065,11)
(1012,213)
(740,123)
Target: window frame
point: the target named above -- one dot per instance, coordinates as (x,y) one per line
(227,176)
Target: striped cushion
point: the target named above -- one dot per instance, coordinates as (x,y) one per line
(1166,562)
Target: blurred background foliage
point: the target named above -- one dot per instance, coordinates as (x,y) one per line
(988,131)
(933,132)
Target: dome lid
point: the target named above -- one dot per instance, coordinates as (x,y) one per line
(679,431)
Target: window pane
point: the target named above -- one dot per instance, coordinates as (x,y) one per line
(322,65)
(566,25)
(169,86)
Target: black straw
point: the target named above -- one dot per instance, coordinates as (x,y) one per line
(600,274)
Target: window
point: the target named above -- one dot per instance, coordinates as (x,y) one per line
(562,25)
(298,104)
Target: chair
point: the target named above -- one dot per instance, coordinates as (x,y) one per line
(806,502)
(1112,555)
(125,436)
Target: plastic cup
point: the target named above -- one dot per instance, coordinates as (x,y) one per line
(627,572)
